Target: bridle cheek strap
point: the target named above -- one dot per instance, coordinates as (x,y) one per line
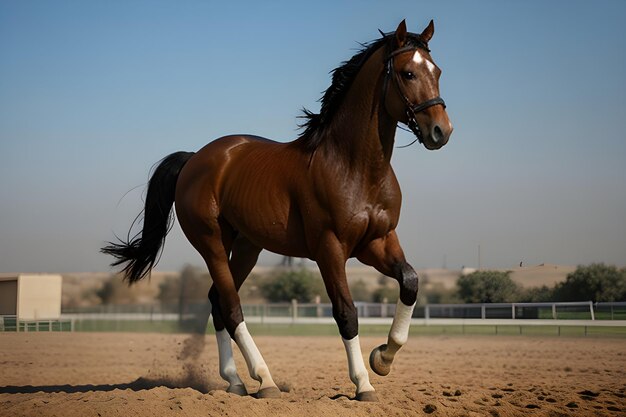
(411,109)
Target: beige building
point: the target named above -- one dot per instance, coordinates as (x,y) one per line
(31,296)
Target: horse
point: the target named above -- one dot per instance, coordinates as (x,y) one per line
(329,195)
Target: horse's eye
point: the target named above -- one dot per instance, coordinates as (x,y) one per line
(407,75)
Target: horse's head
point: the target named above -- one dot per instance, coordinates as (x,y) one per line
(411,87)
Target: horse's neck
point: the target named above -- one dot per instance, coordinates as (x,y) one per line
(362,131)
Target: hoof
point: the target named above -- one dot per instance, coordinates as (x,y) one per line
(369,396)
(237,389)
(269,392)
(377,363)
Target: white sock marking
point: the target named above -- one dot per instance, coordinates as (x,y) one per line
(228,369)
(356,366)
(399,331)
(256,364)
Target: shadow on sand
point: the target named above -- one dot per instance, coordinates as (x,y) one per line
(137,385)
(189,355)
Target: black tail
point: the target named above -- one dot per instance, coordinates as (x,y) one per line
(140,253)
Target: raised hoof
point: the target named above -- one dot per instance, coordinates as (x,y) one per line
(369,396)
(237,389)
(377,363)
(269,392)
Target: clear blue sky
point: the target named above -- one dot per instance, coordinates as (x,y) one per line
(92,94)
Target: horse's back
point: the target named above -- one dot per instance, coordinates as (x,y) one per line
(218,155)
(246,181)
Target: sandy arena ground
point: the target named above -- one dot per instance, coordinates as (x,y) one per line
(92,374)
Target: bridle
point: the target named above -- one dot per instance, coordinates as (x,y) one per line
(411,109)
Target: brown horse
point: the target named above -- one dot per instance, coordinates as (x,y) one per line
(328,196)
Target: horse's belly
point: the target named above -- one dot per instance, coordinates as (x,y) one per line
(274,235)
(272,224)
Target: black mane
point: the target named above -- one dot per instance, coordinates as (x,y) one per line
(342,77)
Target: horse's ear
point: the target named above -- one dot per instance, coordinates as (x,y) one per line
(428,33)
(401,34)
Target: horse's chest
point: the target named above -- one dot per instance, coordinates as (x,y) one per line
(380,221)
(375,214)
(371,222)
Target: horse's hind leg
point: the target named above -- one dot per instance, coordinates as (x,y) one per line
(212,248)
(228,369)
(243,258)
(387,257)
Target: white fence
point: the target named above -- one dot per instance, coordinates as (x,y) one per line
(368,312)
(586,310)
(497,315)
(500,314)
(12,324)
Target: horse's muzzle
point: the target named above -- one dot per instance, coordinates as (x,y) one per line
(437,136)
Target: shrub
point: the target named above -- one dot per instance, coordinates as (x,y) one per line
(595,282)
(115,291)
(385,291)
(537,295)
(301,285)
(487,287)
(191,286)
(359,291)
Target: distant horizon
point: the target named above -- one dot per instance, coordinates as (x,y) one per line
(310,264)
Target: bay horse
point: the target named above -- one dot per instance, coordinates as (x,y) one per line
(329,195)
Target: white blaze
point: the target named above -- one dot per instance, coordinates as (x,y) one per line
(419,59)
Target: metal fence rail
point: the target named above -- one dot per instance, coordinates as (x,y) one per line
(545,310)
(308,311)
(612,310)
(11,323)
(494,314)
(554,311)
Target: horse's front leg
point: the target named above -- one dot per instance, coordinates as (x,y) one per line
(386,256)
(382,357)
(332,262)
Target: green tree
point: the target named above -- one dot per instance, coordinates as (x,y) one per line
(386,293)
(359,291)
(537,295)
(387,289)
(438,294)
(115,291)
(487,287)
(301,285)
(595,282)
(191,286)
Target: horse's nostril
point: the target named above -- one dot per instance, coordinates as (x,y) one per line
(437,134)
